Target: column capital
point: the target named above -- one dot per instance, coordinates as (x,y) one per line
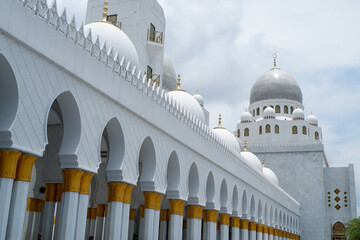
(8,163)
(164,215)
(271,231)
(24,167)
(244,224)
(50,192)
(235,222)
(224,219)
(100,210)
(153,200)
(260,228)
(39,204)
(177,207)
(31,205)
(85,183)
(132,214)
(252,226)
(72,180)
(59,188)
(210,215)
(266,229)
(194,211)
(127,194)
(142,211)
(116,191)
(93,213)
(276,232)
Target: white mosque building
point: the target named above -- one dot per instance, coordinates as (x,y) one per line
(99,141)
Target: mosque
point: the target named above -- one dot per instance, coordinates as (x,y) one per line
(99,141)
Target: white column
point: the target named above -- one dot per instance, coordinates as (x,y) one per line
(224,226)
(271,233)
(163,224)
(81,216)
(156,224)
(36,224)
(107,220)
(99,227)
(142,222)
(193,229)
(152,215)
(266,233)
(115,219)
(204,230)
(235,228)
(244,229)
(58,212)
(259,232)
(211,231)
(48,220)
(131,224)
(252,231)
(125,221)
(176,227)
(88,219)
(149,224)
(29,218)
(92,222)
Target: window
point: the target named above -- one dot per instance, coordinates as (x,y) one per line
(277,109)
(258,111)
(246,132)
(272,106)
(149,73)
(264,108)
(238,133)
(277,129)
(304,130)
(291,110)
(316,135)
(267,128)
(112,18)
(260,130)
(253,113)
(286,109)
(294,130)
(152,32)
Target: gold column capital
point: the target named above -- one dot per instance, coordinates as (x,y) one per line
(132,214)
(164,213)
(194,211)
(153,200)
(142,211)
(224,219)
(127,194)
(276,232)
(50,193)
(24,167)
(88,213)
(252,226)
(260,228)
(235,222)
(177,207)
(266,229)
(100,210)
(93,213)
(31,205)
(72,180)
(39,204)
(117,191)
(85,183)
(59,188)
(271,231)
(210,215)
(244,224)
(8,163)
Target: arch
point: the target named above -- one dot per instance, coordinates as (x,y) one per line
(291,109)
(277,129)
(272,106)
(193,183)
(264,108)
(259,210)
(252,207)
(244,203)
(257,111)
(316,135)
(210,188)
(173,173)
(115,142)
(147,160)
(266,213)
(267,128)
(304,130)
(280,219)
(223,194)
(286,109)
(338,231)
(284,220)
(235,200)
(271,217)
(294,130)
(276,219)
(246,132)
(260,129)
(277,109)
(67,109)
(9,95)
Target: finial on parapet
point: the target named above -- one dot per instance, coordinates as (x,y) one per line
(219,122)
(263,162)
(274,56)
(104,15)
(245,144)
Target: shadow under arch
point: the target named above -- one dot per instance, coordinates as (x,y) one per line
(173,177)
(147,165)
(252,208)
(210,191)
(259,210)
(223,196)
(235,201)
(193,185)
(244,204)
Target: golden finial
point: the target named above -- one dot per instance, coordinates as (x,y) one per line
(263,162)
(178,81)
(274,56)
(219,120)
(245,143)
(105,11)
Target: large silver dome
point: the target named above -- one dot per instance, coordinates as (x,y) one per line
(275,84)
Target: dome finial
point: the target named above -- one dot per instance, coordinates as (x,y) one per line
(263,162)
(274,56)
(104,19)
(178,81)
(245,144)
(219,120)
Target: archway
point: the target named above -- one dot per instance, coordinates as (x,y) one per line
(193,184)
(252,207)
(173,176)
(244,204)
(147,162)
(223,196)
(338,231)
(235,201)
(210,190)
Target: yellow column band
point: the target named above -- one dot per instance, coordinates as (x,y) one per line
(31,204)
(271,231)
(276,232)
(106,210)
(184,224)
(266,229)
(235,222)
(244,224)
(210,215)
(72,180)
(152,200)
(142,211)
(164,215)
(117,191)
(260,228)
(127,194)
(85,183)
(100,210)
(280,233)
(58,192)
(132,214)
(88,214)
(50,193)
(252,226)
(93,213)
(177,207)
(8,163)
(39,204)
(24,167)
(194,211)
(224,219)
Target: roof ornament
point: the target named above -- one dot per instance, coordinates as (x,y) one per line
(274,56)
(245,144)
(104,15)
(263,162)
(219,123)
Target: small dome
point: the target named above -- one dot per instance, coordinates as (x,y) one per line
(251,158)
(227,136)
(199,98)
(275,84)
(169,75)
(269,112)
(246,117)
(312,119)
(114,38)
(270,175)
(187,101)
(298,114)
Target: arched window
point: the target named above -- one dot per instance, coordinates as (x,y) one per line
(294,130)
(277,109)
(291,110)
(316,135)
(286,109)
(272,106)
(260,130)
(264,108)
(258,111)
(246,132)
(267,128)
(338,231)
(277,129)
(304,130)
(238,133)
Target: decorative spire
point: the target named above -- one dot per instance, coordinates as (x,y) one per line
(245,149)
(274,56)
(263,162)
(219,120)
(178,81)
(104,19)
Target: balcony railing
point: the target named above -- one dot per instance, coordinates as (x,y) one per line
(115,23)
(155,36)
(154,78)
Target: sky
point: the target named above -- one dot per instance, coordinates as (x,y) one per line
(222,47)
